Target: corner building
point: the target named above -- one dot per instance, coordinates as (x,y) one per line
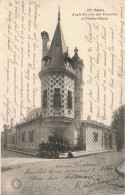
(61,85)
(61,103)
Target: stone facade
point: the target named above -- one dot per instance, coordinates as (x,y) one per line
(50,82)
(83,135)
(99,136)
(10,137)
(19,138)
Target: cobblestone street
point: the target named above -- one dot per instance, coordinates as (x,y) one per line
(94,174)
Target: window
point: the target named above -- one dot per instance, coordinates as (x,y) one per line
(69,102)
(34,114)
(40,114)
(57,98)
(95,137)
(31,136)
(13,140)
(37,114)
(23,137)
(45,98)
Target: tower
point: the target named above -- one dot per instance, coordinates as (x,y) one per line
(78,66)
(57,81)
(60,76)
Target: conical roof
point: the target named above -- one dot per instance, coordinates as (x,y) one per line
(76,59)
(57,51)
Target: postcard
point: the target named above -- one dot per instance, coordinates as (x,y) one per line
(62,97)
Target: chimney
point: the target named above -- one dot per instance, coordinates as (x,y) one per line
(28,110)
(12,122)
(45,38)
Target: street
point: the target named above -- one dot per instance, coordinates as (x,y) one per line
(93,174)
(10,154)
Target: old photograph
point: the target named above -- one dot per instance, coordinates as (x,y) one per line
(62,97)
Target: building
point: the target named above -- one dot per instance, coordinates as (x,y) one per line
(61,108)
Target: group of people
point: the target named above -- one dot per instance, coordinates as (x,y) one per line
(53,150)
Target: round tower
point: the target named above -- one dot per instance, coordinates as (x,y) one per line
(57,82)
(78,66)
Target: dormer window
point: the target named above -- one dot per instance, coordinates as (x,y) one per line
(57,98)
(45,98)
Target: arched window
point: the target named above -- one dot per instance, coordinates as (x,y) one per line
(69,102)
(57,98)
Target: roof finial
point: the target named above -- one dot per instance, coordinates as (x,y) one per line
(76,50)
(59,15)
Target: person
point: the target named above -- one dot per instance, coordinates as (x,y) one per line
(70,155)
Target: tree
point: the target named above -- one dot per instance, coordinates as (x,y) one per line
(118,122)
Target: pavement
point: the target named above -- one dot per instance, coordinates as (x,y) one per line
(17,161)
(121,169)
(87,175)
(84,153)
(14,157)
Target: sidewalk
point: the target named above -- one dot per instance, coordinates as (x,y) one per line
(17,161)
(121,169)
(64,155)
(84,153)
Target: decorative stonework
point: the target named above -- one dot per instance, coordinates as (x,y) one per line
(64,83)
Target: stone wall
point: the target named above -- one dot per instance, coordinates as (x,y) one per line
(27,145)
(78,99)
(11,138)
(90,143)
(64,83)
(41,133)
(69,134)
(99,136)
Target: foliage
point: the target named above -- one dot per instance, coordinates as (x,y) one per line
(60,143)
(56,144)
(118,124)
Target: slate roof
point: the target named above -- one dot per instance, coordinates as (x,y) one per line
(55,58)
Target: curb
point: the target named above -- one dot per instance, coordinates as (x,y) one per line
(22,152)
(87,154)
(119,172)
(61,157)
